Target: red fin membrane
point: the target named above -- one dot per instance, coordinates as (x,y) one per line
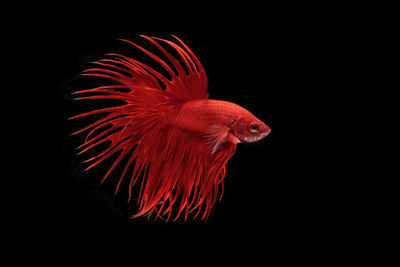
(216,136)
(181,168)
(178,168)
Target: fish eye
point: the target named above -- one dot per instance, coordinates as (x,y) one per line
(254,127)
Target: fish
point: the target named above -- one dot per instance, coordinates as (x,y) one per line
(176,140)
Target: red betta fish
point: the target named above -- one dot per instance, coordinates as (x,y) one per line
(180,141)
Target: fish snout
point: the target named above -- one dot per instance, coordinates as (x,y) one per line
(266,130)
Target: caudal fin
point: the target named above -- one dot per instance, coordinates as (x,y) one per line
(174,163)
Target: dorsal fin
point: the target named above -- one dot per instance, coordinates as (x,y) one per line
(183,86)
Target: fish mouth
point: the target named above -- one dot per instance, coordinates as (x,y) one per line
(267,132)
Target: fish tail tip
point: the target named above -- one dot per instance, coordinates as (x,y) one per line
(176,37)
(145,36)
(134,216)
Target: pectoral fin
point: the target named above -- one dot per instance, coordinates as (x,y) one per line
(216,136)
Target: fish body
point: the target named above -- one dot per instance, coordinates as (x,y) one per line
(198,115)
(179,139)
(202,116)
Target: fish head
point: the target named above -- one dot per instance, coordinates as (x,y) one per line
(248,128)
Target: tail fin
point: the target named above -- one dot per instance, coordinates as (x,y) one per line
(172,161)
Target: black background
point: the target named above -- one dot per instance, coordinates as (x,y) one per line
(284,64)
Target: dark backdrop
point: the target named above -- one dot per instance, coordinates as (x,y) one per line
(281,64)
